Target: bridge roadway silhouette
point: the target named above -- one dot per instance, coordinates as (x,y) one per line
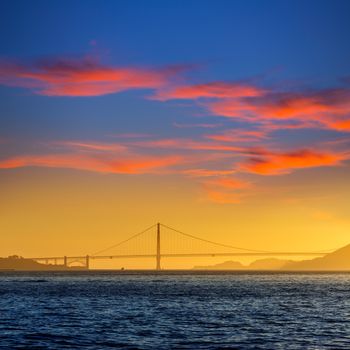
(84,260)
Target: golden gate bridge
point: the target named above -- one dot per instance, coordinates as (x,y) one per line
(161,241)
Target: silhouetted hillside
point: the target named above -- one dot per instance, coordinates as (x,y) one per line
(338,260)
(262,264)
(268,264)
(18,263)
(227,265)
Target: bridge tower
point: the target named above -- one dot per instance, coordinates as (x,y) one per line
(158,247)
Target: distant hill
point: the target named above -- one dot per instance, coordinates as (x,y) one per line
(17,263)
(268,264)
(227,265)
(262,264)
(338,260)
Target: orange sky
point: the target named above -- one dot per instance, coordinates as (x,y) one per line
(65,212)
(226,120)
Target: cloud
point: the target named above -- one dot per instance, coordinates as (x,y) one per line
(198,125)
(221,197)
(82,77)
(133,135)
(340,124)
(212,165)
(227,183)
(319,109)
(312,108)
(118,165)
(238,135)
(91,146)
(188,144)
(216,89)
(88,76)
(225,190)
(269,163)
(199,172)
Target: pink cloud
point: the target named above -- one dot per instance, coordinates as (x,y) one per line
(225,190)
(209,90)
(199,125)
(238,135)
(131,165)
(322,109)
(213,169)
(82,77)
(91,146)
(188,144)
(269,163)
(222,197)
(200,172)
(227,183)
(327,108)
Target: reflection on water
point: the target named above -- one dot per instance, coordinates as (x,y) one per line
(228,311)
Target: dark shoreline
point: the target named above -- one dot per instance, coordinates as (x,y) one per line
(169,272)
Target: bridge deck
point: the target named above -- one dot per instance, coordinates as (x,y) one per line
(184,255)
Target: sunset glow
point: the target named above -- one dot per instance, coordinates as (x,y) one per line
(229,128)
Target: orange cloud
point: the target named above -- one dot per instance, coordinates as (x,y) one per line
(340,124)
(132,165)
(212,170)
(143,164)
(284,163)
(228,183)
(92,146)
(210,90)
(207,172)
(199,125)
(84,77)
(188,144)
(131,135)
(327,108)
(225,190)
(322,109)
(221,197)
(238,135)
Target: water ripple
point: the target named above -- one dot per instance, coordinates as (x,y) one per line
(237,311)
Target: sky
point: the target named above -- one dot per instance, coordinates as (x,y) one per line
(229,120)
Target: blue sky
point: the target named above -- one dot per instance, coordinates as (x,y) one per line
(293,54)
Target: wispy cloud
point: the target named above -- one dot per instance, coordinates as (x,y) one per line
(328,109)
(239,135)
(213,166)
(134,165)
(245,144)
(269,163)
(91,146)
(201,172)
(197,125)
(227,183)
(222,197)
(225,189)
(186,144)
(304,108)
(210,90)
(81,77)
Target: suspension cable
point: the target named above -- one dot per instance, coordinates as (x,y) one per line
(124,241)
(215,243)
(233,247)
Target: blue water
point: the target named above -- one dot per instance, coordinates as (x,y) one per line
(173,311)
